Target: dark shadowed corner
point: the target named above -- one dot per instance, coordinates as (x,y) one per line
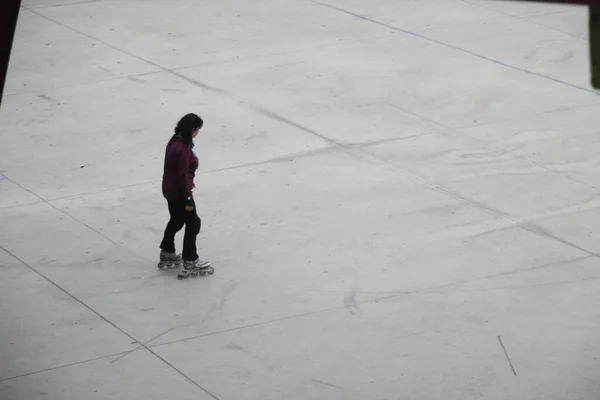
(9,11)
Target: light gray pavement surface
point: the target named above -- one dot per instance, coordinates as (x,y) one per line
(400,199)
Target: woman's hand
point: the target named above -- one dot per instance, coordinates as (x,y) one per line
(189,208)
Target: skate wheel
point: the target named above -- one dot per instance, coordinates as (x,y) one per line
(206,271)
(196,272)
(168,264)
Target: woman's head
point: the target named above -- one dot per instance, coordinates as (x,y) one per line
(187,128)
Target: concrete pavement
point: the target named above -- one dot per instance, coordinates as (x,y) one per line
(400,200)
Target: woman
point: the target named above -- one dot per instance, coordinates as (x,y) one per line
(180,167)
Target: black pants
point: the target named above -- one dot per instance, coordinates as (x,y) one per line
(180,217)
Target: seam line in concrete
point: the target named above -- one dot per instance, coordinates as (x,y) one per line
(453,47)
(60,210)
(29,8)
(285,157)
(70,196)
(146,343)
(274,116)
(540,231)
(175,72)
(389,296)
(64,365)
(261,110)
(278,159)
(31,203)
(269,113)
(161,68)
(80,85)
(528,20)
(361,145)
(527,225)
(516,287)
(532,227)
(550,169)
(115,326)
(376,300)
(282,53)
(467,128)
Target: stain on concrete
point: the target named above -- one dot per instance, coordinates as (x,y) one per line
(350,303)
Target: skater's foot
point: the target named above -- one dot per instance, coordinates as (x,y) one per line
(197,263)
(195,268)
(169,260)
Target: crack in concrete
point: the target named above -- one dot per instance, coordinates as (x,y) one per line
(512,367)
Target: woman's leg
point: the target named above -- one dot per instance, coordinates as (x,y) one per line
(177,213)
(192,265)
(192,228)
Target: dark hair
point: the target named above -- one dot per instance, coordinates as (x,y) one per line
(186,125)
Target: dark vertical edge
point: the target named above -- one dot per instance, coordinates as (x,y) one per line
(595,44)
(9,13)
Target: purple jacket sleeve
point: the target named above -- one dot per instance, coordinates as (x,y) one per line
(183,169)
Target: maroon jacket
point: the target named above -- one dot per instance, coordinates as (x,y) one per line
(179,171)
